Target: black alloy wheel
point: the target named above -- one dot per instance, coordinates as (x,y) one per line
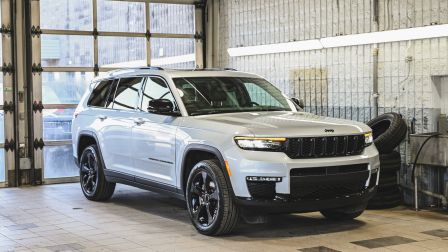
(204,199)
(89,171)
(210,199)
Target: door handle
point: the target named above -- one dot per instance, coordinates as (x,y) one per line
(102,117)
(139,121)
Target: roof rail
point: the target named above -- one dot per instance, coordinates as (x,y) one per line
(215,69)
(151,68)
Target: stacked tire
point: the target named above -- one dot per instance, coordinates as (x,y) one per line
(389,130)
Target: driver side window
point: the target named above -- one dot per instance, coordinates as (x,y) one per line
(155,88)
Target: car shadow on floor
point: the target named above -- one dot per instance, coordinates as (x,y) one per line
(295,225)
(277,226)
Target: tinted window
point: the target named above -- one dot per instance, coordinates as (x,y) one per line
(126,95)
(99,94)
(156,88)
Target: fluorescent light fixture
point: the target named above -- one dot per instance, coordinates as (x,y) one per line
(295,46)
(425,32)
(434,31)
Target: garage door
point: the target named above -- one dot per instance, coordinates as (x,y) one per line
(76,40)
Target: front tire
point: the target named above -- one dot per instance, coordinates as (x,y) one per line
(340,214)
(93,182)
(210,200)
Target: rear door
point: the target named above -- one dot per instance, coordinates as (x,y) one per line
(117,131)
(154,137)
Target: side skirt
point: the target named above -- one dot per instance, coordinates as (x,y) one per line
(142,183)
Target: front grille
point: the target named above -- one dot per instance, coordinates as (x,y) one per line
(328,170)
(331,146)
(324,191)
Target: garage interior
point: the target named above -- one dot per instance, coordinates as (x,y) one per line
(350,59)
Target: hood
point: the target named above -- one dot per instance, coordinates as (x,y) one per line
(287,124)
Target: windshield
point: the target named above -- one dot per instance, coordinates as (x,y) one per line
(211,95)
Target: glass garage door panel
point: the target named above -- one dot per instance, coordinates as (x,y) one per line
(117,16)
(66,51)
(58,162)
(121,51)
(66,15)
(2,165)
(162,20)
(57,124)
(2,127)
(64,87)
(172,52)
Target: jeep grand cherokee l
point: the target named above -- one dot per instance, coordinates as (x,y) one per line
(226,142)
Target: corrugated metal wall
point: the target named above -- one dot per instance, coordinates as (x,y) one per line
(338,81)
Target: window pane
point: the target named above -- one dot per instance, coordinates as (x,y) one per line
(57,124)
(100,94)
(2,165)
(58,162)
(162,20)
(2,126)
(1,86)
(172,52)
(126,95)
(67,50)
(64,87)
(117,16)
(121,51)
(155,88)
(66,15)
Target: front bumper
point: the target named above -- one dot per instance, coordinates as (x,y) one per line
(285,205)
(243,164)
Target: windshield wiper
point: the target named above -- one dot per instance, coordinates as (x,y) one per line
(271,108)
(209,112)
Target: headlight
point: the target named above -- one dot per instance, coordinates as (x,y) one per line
(261,143)
(368,138)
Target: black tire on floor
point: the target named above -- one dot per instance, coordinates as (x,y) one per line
(208,179)
(392,157)
(388,131)
(346,213)
(387,180)
(386,199)
(93,182)
(390,162)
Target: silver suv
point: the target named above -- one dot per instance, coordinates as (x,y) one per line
(229,143)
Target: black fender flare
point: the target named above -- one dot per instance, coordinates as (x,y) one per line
(205,148)
(93,135)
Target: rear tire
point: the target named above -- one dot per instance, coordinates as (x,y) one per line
(210,200)
(93,182)
(341,214)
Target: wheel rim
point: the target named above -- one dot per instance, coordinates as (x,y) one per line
(89,172)
(204,199)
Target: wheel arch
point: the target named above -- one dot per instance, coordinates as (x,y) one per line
(194,153)
(87,138)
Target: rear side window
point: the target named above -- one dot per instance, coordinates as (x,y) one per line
(126,95)
(99,94)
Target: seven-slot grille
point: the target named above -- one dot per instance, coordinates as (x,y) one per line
(329,146)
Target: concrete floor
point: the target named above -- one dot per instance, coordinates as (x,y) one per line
(59,218)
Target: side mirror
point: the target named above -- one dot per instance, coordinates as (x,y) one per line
(161,106)
(298,102)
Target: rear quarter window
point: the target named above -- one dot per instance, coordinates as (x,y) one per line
(100,93)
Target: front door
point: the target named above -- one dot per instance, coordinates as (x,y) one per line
(154,137)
